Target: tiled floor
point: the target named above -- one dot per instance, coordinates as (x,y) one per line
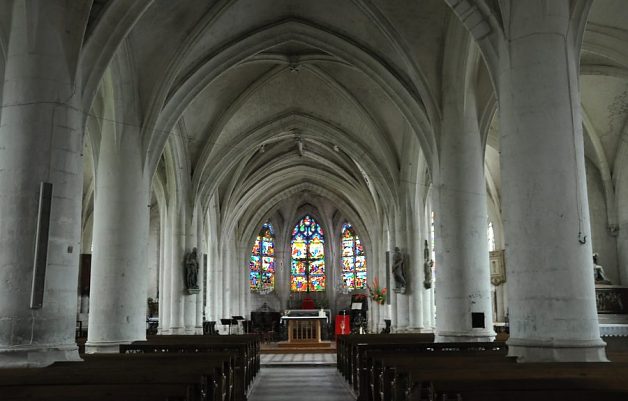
(300,383)
(298,359)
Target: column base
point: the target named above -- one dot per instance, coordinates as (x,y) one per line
(37,356)
(526,350)
(414,330)
(177,330)
(104,347)
(464,337)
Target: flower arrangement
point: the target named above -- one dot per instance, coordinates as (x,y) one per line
(376,293)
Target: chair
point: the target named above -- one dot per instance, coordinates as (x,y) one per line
(268,328)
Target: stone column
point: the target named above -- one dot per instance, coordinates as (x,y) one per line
(545,207)
(463,291)
(165,296)
(202,252)
(428,294)
(40,141)
(177,311)
(121,221)
(190,299)
(214,270)
(211,248)
(226,274)
(244,278)
(416,286)
(403,241)
(241,270)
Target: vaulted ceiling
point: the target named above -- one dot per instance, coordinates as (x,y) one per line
(265,98)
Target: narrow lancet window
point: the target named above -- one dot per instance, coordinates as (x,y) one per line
(262,265)
(353,260)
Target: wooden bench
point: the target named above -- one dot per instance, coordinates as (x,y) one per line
(253,342)
(370,356)
(123,377)
(478,377)
(538,381)
(244,348)
(346,350)
(374,359)
(387,371)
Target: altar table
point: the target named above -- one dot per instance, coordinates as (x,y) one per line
(304,329)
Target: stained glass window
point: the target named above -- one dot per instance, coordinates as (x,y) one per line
(307,269)
(262,265)
(353,259)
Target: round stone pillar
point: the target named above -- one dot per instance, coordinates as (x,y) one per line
(119,266)
(225,272)
(463,291)
(544,196)
(40,141)
(176,271)
(165,304)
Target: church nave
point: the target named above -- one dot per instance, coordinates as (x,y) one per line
(304,383)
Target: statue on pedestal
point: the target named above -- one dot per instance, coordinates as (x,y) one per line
(427,267)
(398,269)
(191,272)
(598,272)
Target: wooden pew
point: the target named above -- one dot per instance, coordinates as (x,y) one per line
(374,360)
(387,376)
(536,381)
(346,350)
(253,342)
(245,349)
(368,356)
(122,377)
(487,378)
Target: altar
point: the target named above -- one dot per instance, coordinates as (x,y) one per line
(304,326)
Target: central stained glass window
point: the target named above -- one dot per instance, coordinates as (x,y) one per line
(307,272)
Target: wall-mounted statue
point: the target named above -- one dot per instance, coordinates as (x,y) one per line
(191,270)
(428,263)
(598,272)
(399,273)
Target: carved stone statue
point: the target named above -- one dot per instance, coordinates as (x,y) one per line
(598,272)
(428,263)
(398,269)
(191,270)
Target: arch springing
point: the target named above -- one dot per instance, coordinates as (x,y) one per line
(353,259)
(262,265)
(307,267)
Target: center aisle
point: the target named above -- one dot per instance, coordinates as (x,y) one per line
(300,383)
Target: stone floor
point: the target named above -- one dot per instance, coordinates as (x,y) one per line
(298,359)
(301,383)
